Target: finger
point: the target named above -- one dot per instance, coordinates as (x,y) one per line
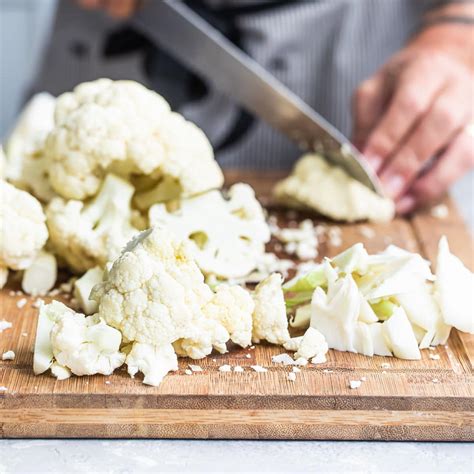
(121,8)
(367,107)
(450,166)
(408,103)
(448,113)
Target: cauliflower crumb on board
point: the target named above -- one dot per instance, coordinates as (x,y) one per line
(225,368)
(434,356)
(3,388)
(4,325)
(353,384)
(8,355)
(238,368)
(440,211)
(291,376)
(195,368)
(296,370)
(258,368)
(301,241)
(21,303)
(188,372)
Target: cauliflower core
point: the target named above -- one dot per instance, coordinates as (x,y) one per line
(89,235)
(124,128)
(227,237)
(330,191)
(23,231)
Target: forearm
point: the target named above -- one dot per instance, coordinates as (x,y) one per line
(450,29)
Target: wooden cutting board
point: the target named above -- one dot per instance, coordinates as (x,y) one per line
(408,400)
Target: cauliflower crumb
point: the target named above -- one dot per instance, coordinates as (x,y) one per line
(355,384)
(440,211)
(5,325)
(37,303)
(188,372)
(363,379)
(225,368)
(434,356)
(248,356)
(301,241)
(259,368)
(107,382)
(435,381)
(367,232)
(3,388)
(238,368)
(24,334)
(291,376)
(284,359)
(296,370)
(195,368)
(8,355)
(21,302)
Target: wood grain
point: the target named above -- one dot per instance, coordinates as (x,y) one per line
(424,400)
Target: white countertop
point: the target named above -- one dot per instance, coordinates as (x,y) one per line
(116,456)
(132,456)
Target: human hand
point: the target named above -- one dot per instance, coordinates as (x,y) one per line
(419,106)
(115,8)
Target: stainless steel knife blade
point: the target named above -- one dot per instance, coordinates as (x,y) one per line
(202,48)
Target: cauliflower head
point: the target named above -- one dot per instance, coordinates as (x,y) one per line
(27,167)
(227,236)
(23,228)
(269,317)
(91,234)
(155,294)
(329,190)
(124,128)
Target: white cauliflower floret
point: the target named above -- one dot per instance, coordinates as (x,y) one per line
(330,191)
(233,306)
(312,344)
(27,167)
(23,231)
(153,361)
(89,235)
(84,345)
(269,317)
(122,127)
(155,294)
(228,237)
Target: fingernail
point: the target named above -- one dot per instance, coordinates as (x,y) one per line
(405,204)
(374,160)
(393,184)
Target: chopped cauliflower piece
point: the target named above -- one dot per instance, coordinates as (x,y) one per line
(122,127)
(228,236)
(454,287)
(259,368)
(24,231)
(338,196)
(4,325)
(232,306)
(83,287)
(269,317)
(312,344)
(225,368)
(89,235)
(153,361)
(27,167)
(40,277)
(84,345)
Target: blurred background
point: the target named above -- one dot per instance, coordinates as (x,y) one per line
(25,26)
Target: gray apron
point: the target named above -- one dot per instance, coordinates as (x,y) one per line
(320,49)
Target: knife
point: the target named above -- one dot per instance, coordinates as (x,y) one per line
(209,54)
